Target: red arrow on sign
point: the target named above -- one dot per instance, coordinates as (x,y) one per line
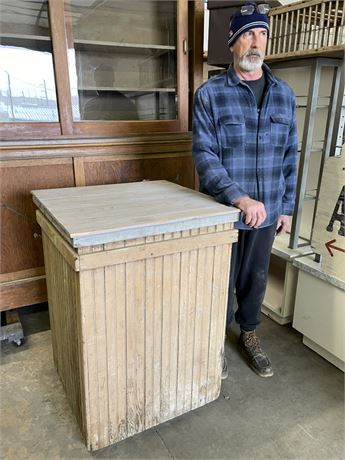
(329,245)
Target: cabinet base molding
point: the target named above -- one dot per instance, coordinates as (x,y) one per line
(340,364)
(276,316)
(21,293)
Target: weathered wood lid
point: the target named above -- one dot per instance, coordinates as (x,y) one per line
(86,216)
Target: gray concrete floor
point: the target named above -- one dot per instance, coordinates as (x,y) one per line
(297,414)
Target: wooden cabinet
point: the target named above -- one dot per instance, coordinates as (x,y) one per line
(105,68)
(58,60)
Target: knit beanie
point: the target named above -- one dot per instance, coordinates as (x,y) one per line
(241,23)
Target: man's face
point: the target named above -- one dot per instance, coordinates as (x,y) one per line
(249,49)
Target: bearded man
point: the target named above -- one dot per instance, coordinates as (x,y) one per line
(245,152)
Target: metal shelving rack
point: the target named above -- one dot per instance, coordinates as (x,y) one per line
(334,126)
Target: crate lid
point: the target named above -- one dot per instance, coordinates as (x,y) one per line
(86,216)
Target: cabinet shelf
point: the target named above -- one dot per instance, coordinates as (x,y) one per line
(93,45)
(35,42)
(88,43)
(126,90)
(24,37)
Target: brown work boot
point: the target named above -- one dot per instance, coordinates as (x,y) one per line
(257,358)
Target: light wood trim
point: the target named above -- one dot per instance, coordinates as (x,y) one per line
(144,156)
(294,6)
(60,53)
(182,64)
(131,254)
(182,148)
(21,275)
(132,140)
(111,128)
(35,162)
(61,245)
(329,51)
(79,172)
(29,130)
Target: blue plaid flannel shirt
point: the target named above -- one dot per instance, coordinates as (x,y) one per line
(240,150)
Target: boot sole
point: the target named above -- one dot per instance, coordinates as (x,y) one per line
(251,365)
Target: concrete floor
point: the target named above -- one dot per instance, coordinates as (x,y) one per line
(297,414)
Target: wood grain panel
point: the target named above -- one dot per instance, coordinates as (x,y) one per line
(21,246)
(174,169)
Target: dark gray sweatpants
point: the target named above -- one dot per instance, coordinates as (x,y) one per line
(248,274)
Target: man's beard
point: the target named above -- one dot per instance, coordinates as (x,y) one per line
(248,64)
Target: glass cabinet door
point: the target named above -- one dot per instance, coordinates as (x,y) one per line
(27,83)
(122,59)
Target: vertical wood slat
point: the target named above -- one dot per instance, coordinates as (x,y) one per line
(285,35)
(205,379)
(316,27)
(199,312)
(303,34)
(135,278)
(111,335)
(321,25)
(157,335)
(214,364)
(279,49)
(333,31)
(298,30)
(308,30)
(292,23)
(184,327)
(276,41)
(119,430)
(149,339)
(175,317)
(101,351)
(328,25)
(166,338)
(341,28)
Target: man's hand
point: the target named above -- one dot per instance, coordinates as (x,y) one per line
(254,211)
(283,224)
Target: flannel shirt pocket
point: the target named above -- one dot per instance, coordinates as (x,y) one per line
(233,132)
(280,127)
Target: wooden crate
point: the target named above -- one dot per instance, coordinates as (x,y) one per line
(303,27)
(137,316)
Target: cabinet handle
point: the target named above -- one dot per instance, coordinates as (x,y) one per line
(184,46)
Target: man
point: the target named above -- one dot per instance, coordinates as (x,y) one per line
(245,151)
